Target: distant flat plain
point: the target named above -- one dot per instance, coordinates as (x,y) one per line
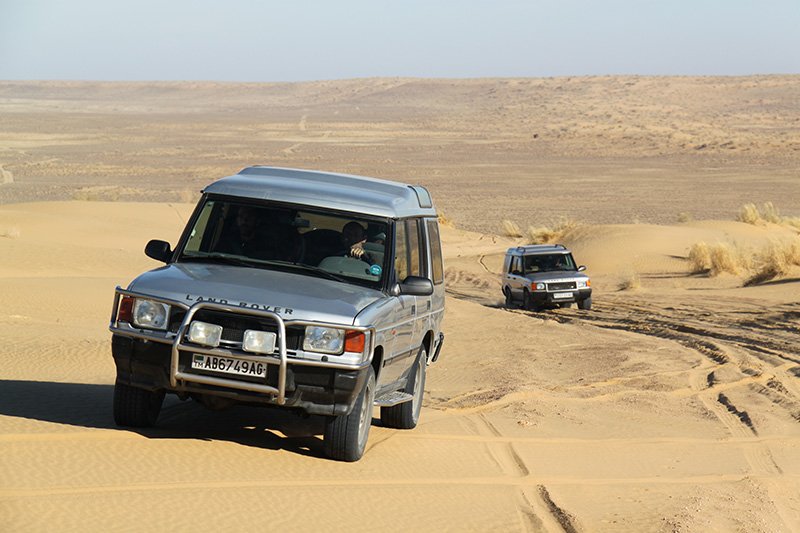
(591,149)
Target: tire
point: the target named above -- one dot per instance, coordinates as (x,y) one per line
(136,407)
(585,304)
(527,302)
(346,436)
(406,414)
(509,297)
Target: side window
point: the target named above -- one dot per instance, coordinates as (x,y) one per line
(516,264)
(436,251)
(415,257)
(401,251)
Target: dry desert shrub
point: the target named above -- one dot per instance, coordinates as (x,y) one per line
(728,257)
(510,229)
(684,218)
(98,194)
(630,279)
(550,235)
(444,221)
(750,214)
(189,196)
(699,258)
(774,260)
(11,233)
(718,258)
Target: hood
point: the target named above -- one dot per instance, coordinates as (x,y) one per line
(556,275)
(293,296)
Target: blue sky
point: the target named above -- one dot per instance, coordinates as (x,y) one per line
(297,40)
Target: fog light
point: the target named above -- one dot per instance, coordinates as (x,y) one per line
(259,341)
(205,334)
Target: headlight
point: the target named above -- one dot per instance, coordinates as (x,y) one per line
(205,334)
(324,340)
(538,286)
(259,341)
(582,284)
(150,314)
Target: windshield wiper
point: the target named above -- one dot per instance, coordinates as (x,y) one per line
(220,258)
(316,270)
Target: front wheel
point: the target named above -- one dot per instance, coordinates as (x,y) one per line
(509,297)
(527,302)
(585,304)
(406,414)
(136,407)
(345,436)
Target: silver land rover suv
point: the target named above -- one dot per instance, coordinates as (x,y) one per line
(544,275)
(317,292)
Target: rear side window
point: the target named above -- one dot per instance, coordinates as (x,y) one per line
(436,251)
(401,251)
(415,257)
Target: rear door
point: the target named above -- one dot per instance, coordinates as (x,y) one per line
(515,278)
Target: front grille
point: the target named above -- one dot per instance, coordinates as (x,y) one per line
(234,326)
(564,285)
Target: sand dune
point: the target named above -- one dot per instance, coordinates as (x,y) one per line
(657,411)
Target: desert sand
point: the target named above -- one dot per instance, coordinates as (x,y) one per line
(672,405)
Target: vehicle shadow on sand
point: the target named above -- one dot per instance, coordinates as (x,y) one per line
(91,406)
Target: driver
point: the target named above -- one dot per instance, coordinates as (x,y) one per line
(354,236)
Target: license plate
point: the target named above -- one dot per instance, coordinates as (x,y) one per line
(560,295)
(229,365)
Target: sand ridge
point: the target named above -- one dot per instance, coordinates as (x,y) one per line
(653,411)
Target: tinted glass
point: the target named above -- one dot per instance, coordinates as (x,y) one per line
(349,247)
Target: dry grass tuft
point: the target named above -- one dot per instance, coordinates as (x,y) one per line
(728,257)
(683,218)
(719,258)
(699,258)
(444,221)
(774,260)
(11,233)
(511,229)
(630,279)
(189,196)
(550,235)
(750,214)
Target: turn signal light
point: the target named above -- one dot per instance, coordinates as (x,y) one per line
(354,342)
(125,313)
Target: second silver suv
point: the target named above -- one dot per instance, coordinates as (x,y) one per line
(544,275)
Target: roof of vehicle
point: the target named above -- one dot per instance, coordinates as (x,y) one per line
(538,249)
(345,192)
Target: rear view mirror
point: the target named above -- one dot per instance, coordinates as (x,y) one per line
(158,250)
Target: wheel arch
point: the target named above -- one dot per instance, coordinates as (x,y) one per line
(377,360)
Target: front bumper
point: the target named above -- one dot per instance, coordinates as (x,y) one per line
(558,297)
(162,361)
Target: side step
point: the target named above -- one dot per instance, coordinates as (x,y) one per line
(392,398)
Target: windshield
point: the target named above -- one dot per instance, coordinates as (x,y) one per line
(312,242)
(549,263)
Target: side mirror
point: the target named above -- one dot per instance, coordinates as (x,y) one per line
(416,286)
(581,268)
(516,272)
(158,250)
